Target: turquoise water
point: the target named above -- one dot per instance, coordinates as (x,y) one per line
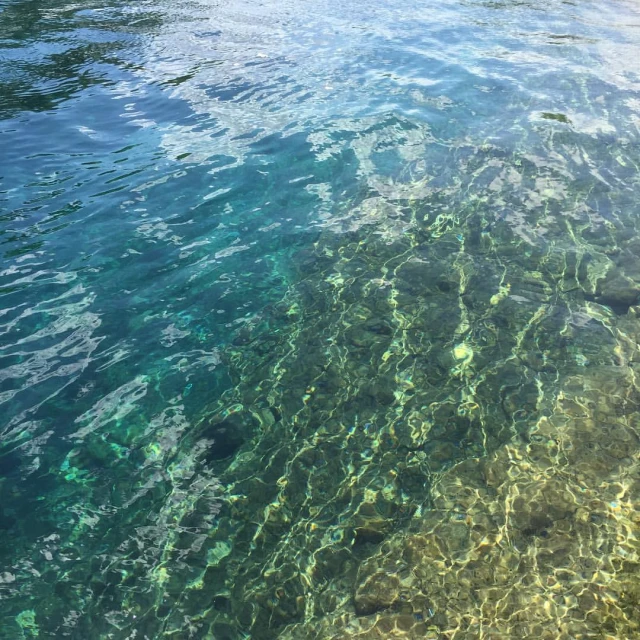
(319,320)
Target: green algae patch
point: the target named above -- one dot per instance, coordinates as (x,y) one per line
(26,620)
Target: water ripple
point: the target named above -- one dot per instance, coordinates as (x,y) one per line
(259,255)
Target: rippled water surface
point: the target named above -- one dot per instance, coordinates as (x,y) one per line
(319,320)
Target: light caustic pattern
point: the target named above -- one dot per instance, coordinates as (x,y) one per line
(465,393)
(368,370)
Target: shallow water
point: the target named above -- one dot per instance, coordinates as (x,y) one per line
(319,320)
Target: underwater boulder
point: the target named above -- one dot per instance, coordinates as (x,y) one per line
(377,593)
(223,437)
(618,292)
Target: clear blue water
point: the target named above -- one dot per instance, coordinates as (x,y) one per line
(273,273)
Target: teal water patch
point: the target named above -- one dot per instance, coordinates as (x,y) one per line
(319,324)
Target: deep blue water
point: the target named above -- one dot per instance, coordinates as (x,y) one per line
(269,270)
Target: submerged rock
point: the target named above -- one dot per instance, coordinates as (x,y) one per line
(376,593)
(222,438)
(619,292)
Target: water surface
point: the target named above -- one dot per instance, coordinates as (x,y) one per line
(319,321)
